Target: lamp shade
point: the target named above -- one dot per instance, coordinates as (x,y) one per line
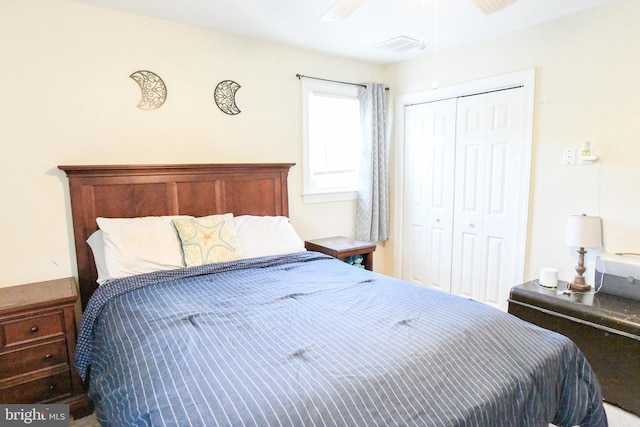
(584,231)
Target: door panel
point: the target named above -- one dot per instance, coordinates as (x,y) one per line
(505,142)
(439,198)
(414,236)
(496,190)
(471,169)
(429,159)
(416,271)
(489,291)
(465,273)
(439,259)
(469,183)
(486,194)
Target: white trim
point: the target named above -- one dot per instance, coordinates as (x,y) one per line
(339,196)
(524,78)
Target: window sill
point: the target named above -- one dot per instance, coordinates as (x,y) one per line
(340,196)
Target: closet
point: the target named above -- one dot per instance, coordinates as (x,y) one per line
(464,173)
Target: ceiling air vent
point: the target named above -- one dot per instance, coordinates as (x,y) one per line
(491,6)
(399,44)
(340,10)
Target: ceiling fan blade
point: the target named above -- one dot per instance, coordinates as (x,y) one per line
(491,6)
(341,9)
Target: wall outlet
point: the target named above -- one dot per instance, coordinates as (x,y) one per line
(569,157)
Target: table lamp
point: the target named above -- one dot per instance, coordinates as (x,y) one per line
(583,232)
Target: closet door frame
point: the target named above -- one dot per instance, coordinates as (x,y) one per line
(526,79)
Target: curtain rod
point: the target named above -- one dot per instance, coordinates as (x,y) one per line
(300,76)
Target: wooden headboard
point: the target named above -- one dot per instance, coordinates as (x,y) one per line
(127,191)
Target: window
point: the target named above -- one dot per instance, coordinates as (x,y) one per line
(332,141)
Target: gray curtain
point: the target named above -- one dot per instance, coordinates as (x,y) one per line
(372,214)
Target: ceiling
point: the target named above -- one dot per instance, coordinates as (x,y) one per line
(297,22)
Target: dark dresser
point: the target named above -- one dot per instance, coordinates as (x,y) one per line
(37,345)
(605,327)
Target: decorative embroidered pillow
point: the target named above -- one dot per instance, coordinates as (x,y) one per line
(208,239)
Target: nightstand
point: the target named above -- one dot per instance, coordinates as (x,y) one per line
(343,248)
(605,327)
(37,345)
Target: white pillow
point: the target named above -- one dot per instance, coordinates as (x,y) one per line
(96,243)
(267,235)
(140,245)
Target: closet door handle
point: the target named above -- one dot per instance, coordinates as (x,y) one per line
(472,225)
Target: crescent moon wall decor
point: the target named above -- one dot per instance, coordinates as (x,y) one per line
(154,91)
(225,97)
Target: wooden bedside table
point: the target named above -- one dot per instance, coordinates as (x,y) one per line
(37,345)
(343,248)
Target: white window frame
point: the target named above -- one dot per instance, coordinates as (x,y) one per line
(310,193)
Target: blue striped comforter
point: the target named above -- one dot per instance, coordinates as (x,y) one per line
(307,340)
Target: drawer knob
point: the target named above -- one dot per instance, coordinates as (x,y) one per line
(34,329)
(52,387)
(48,356)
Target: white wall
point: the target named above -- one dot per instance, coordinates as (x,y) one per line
(587,88)
(66,98)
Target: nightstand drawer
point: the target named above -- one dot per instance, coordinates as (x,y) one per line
(38,390)
(33,358)
(32,328)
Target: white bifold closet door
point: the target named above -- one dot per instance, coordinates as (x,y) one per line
(462,185)
(430,138)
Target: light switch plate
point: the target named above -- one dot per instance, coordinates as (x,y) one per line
(569,157)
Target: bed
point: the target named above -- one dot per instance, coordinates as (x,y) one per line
(292,337)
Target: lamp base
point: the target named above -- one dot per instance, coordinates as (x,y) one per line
(579,284)
(579,287)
